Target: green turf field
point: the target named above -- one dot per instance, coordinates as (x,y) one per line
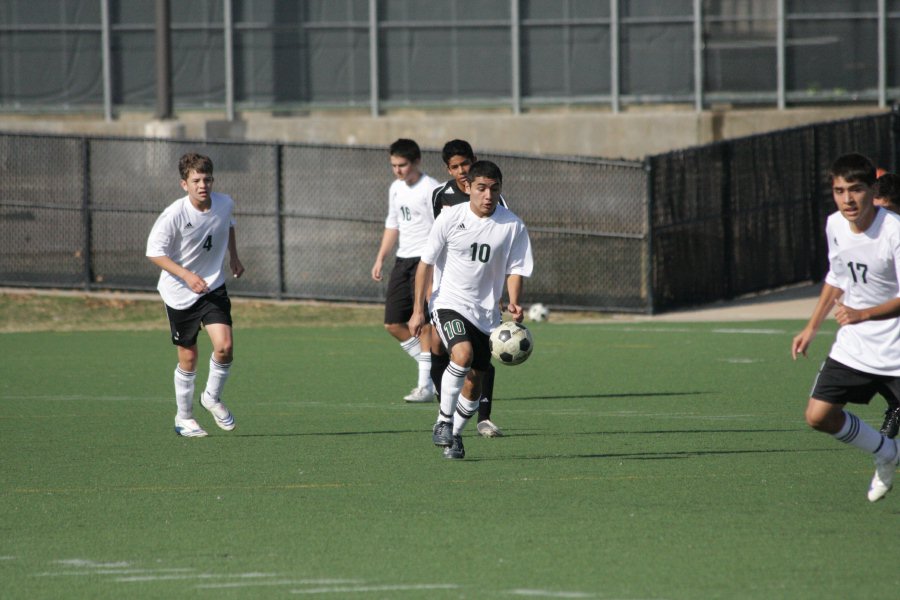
(643,461)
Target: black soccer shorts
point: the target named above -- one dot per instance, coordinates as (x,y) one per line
(401,291)
(839,384)
(214,307)
(453,328)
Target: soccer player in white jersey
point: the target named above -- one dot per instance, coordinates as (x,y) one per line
(188,242)
(864,266)
(480,246)
(408,221)
(887,194)
(459,156)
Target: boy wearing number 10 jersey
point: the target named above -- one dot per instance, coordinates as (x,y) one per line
(480,246)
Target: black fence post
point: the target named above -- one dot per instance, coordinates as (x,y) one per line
(728,260)
(895,135)
(279,220)
(649,262)
(87,246)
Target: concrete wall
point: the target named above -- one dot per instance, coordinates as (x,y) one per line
(632,134)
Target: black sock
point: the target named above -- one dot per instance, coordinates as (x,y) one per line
(439,363)
(487,395)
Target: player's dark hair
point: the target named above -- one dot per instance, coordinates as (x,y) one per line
(853,168)
(888,187)
(407,149)
(194,162)
(457,148)
(484,168)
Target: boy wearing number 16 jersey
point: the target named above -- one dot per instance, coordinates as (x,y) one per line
(407,224)
(480,246)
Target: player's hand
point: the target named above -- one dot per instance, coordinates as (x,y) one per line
(516,311)
(196,283)
(376,270)
(846,315)
(237,268)
(801,343)
(416,322)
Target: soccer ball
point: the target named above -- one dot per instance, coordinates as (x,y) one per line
(538,312)
(511,343)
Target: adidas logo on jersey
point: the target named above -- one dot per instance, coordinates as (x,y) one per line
(188,226)
(461,226)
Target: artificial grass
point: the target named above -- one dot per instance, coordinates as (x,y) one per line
(642,461)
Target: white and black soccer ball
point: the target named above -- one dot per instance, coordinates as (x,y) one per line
(511,343)
(538,312)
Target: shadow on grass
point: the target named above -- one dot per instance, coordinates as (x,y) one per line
(600,396)
(519,433)
(662,455)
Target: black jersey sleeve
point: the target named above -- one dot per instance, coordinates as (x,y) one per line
(437,199)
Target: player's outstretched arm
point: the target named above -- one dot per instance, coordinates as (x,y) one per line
(802,340)
(514,289)
(424,276)
(388,239)
(237,268)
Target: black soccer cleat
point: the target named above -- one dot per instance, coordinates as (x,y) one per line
(891,423)
(455,450)
(442,434)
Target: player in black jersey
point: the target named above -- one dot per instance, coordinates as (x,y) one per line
(459,156)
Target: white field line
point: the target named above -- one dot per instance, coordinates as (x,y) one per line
(550,594)
(108,572)
(243,584)
(83,562)
(143,578)
(752,331)
(364,589)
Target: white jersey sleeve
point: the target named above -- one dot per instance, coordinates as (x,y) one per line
(866,266)
(195,240)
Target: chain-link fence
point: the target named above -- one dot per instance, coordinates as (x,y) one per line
(76,211)
(681,228)
(748,215)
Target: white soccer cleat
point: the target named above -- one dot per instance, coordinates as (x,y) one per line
(883,480)
(487,428)
(420,394)
(224,418)
(188,428)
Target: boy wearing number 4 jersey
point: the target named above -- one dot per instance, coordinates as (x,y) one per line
(864,267)
(480,246)
(188,242)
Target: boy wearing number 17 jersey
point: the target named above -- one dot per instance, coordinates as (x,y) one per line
(864,267)
(480,246)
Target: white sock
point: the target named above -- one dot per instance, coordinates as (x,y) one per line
(413,347)
(424,359)
(451,384)
(465,408)
(860,434)
(218,375)
(184,393)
